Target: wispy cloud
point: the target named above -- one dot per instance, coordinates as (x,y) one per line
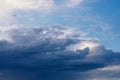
(73,3)
(9,7)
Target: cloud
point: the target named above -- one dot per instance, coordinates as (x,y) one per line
(106,73)
(83,44)
(9,7)
(73,3)
(28,5)
(52,53)
(41,53)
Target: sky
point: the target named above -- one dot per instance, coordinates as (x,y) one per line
(97,18)
(59,39)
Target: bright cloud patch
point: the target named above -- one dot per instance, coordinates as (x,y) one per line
(73,3)
(45,54)
(9,7)
(84,44)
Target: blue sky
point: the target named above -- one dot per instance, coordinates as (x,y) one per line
(97,18)
(59,40)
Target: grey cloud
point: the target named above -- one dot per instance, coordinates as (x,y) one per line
(39,54)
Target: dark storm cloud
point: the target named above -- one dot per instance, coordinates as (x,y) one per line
(41,54)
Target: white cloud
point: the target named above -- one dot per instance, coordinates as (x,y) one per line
(28,4)
(111,68)
(9,7)
(73,3)
(83,44)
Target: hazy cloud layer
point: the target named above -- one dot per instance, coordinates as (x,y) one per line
(8,8)
(53,53)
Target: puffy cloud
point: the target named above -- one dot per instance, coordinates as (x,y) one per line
(41,53)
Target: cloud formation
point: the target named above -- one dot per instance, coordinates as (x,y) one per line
(43,53)
(73,3)
(53,53)
(9,7)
